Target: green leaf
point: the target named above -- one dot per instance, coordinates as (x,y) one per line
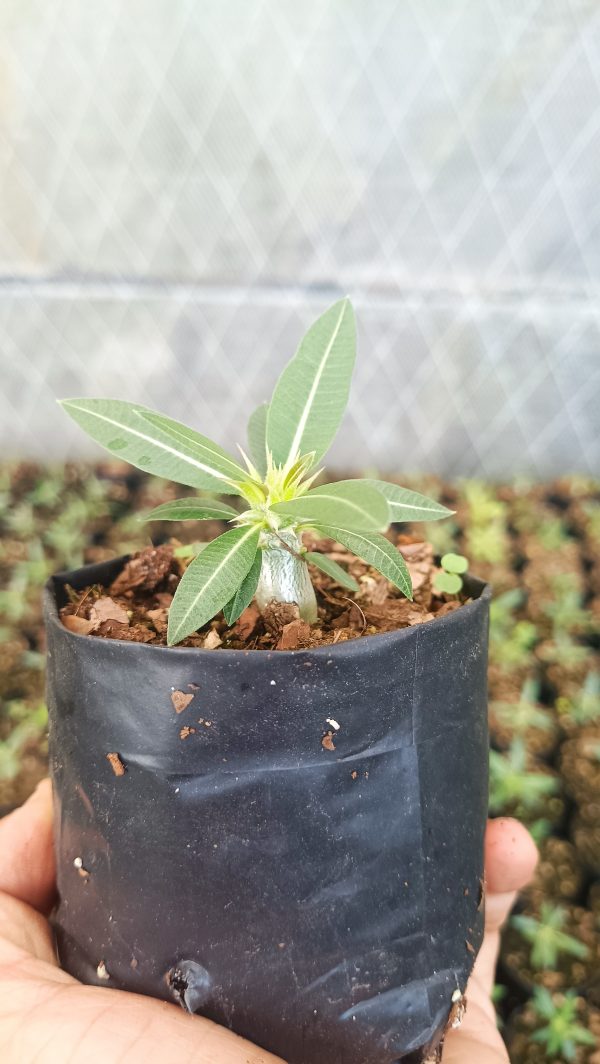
(455,563)
(191,509)
(245,593)
(257,437)
(377,551)
(332,569)
(312,392)
(350,503)
(123,429)
(448,583)
(406,505)
(218,463)
(211,580)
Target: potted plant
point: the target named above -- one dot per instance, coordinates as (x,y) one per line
(288,841)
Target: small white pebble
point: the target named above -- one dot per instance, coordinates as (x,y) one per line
(78,862)
(273,683)
(102,971)
(334,724)
(177,790)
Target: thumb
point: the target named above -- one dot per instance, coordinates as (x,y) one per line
(510,858)
(26,850)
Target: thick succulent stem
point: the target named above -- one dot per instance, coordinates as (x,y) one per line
(284,575)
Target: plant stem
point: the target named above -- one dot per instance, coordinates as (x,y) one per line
(284,575)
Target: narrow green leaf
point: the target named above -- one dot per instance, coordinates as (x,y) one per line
(312,392)
(377,551)
(217,462)
(257,437)
(211,580)
(192,509)
(332,569)
(350,503)
(245,593)
(122,429)
(406,505)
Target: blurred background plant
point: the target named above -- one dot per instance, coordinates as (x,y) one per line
(544,679)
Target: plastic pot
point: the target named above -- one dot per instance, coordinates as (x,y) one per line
(316,888)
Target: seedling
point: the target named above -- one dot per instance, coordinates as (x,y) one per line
(512,785)
(511,639)
(526,713)
(565,609)
(449,579)
(486,537)
(584,708)
(547,938)
(262,555)
(562,1032)
(591,509)
(552,533)
(30,723)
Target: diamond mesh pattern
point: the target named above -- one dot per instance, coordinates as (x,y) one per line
(183,185)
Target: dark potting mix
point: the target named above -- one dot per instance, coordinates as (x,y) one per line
(135,606)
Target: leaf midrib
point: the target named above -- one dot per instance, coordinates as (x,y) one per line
(338,499)
(154,441)
(295,445)
(182,436)
(251,531)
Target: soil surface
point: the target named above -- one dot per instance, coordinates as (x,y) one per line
(135,606)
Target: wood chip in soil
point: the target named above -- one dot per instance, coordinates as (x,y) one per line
(135,606)
(116,764)
(181,700)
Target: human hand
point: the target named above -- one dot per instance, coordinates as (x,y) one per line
(510,860)
(46,1016)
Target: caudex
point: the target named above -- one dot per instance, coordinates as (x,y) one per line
(262,555)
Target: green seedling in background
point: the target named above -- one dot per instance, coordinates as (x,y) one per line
(262,555)
(552,533)
(511,639)
(565,608)
(486,536)
(547,939)
(591,508)
(562,1032)
(513,785)
(526,713)
(584,708)
(563,650)
(449,579)
(29,724)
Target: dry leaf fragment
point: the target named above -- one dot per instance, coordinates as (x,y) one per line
(79,625)
(180,700)
(106,609)
(247,622)
(327,741)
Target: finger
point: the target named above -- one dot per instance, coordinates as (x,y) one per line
(26,850)
(510,859)
(477,1041)
(25,936)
